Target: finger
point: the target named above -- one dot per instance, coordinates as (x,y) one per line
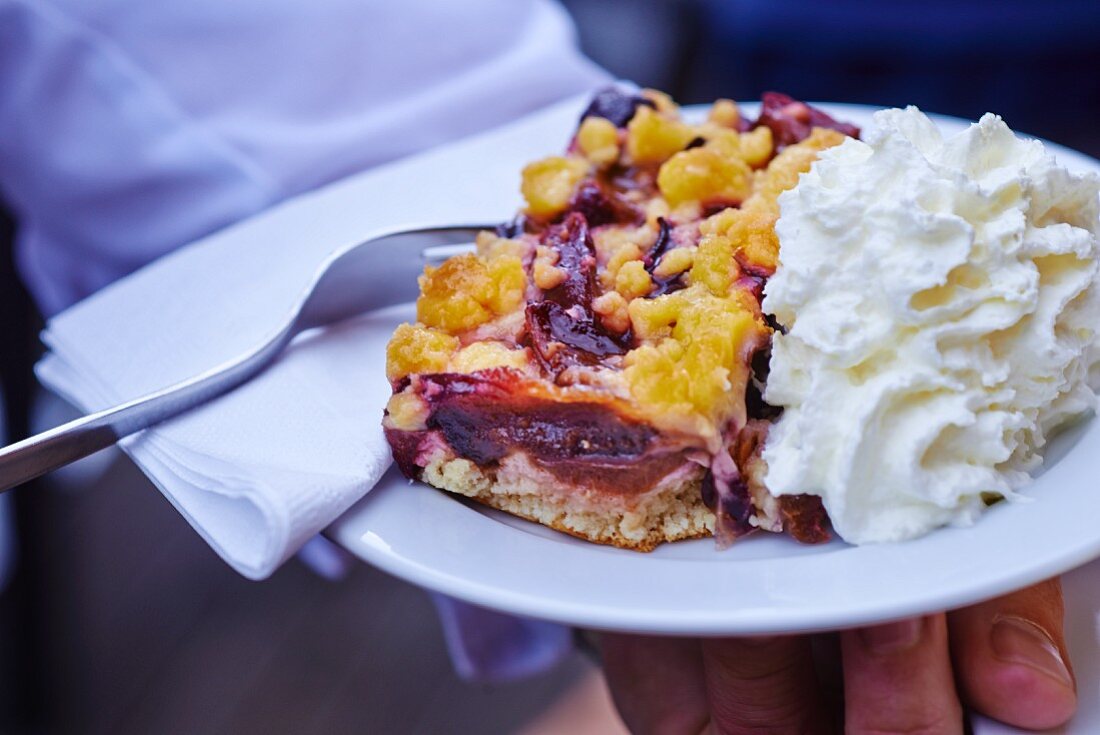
(763,685)
(897,678)
(830,676)
(656,683)
(1011,660)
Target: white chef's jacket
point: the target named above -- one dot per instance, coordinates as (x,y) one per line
(131,127)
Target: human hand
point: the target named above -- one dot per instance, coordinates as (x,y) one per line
(1005,658)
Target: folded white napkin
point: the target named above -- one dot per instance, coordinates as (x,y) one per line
(261,470)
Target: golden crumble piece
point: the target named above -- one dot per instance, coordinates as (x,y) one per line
(657,208)
(491,245)
(609,241)
(674,261)
(548,184)
(723,141)
(699,365)
(418,349)
(756,146)
(598,140)
(783,172)
(406,411)
(718,223)
(654,138)
(485,355)
(467,291)
(627,252)
(612,308)
(632,280)
(714,267)
(725,113)
(751,233)
(664,102)
(544,270)
(547,276)
(652,319)
(704,175)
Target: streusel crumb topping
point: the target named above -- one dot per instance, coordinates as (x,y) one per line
(640,255)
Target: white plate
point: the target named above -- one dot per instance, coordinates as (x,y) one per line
(765,583)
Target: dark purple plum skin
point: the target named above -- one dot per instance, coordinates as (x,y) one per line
(733,509)
(616,105)
(487,416)
(662,284)
(561,327)
(792,121)
(602,207)
(484,419)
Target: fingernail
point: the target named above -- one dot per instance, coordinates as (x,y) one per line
(892,637)
(1017,640)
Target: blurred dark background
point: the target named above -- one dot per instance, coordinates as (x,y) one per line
(1034,63)
(118,619)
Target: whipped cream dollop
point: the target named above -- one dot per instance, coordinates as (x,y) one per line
(941,305)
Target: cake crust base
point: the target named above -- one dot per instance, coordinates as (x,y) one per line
(673,511)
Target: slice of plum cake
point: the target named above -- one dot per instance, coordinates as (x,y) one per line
(597,365)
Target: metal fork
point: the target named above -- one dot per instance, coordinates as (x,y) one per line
(370,275)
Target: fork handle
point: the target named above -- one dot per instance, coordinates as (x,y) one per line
(62,445)
(37,455)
